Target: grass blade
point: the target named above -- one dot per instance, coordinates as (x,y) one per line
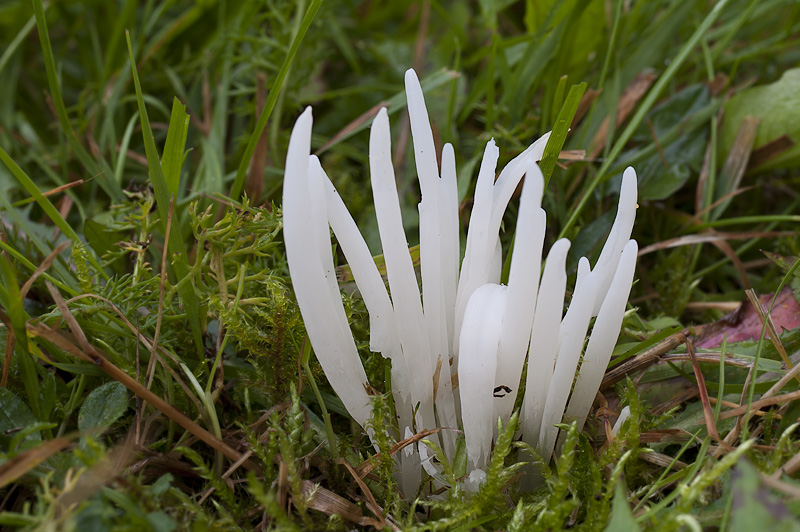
(560,130)
(648,103)
(94,167)
(241,173)
(18,317)
(46,206)
(177,248)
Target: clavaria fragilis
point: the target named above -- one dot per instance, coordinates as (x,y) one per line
(463,323)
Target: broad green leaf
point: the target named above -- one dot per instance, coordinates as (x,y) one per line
(102,237)
(778,107)
(161,522)
(104,406)
(667,170)
(15,415)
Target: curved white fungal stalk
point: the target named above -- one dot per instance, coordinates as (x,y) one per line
(571,338)
(482,261)
(544,339)
(400,271)
(608,261)
(523,286)
(320,302)
(383,331)
(480,338)
(436,258)
(604,336)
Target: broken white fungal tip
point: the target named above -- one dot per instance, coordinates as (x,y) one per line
(624,414)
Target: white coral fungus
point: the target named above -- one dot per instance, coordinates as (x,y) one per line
(464,333)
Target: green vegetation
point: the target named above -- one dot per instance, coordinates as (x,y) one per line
(156,373)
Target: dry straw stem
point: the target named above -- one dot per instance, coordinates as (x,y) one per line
(708,411)
(643,360)
(752,408)
(703,238)
(772,332)
(18,466)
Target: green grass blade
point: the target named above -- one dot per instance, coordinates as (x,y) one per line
(45,204)
(94,167)
(272,98)
(13,45)
(648,102)
(174,147)
(177,247)
(560,130)
(18,317)
(32,267)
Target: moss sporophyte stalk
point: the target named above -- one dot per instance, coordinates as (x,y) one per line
(458,346)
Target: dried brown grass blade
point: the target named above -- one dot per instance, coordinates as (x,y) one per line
(585,104)
(757,405)
(772,331)
(728,251)
(735,165)
(662,460)
(352,126)
(43,267)
(24,462)
(40,329)
(329,503)
(643,360)
(366,467)
(372,504)
(254,182)
(710,237)
(627,101)
(52,191)
(764,153)
(101,473)
(708,411)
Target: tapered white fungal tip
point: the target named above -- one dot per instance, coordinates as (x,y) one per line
(411,77)
(628,192)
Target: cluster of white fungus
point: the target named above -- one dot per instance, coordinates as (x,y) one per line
(459,346)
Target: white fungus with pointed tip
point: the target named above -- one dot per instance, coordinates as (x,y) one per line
(571,337)
(544,339)
(480,338)
(322,310)
(463,323)
(603,338)
(523,286)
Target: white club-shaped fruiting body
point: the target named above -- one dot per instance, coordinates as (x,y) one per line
(458,347)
